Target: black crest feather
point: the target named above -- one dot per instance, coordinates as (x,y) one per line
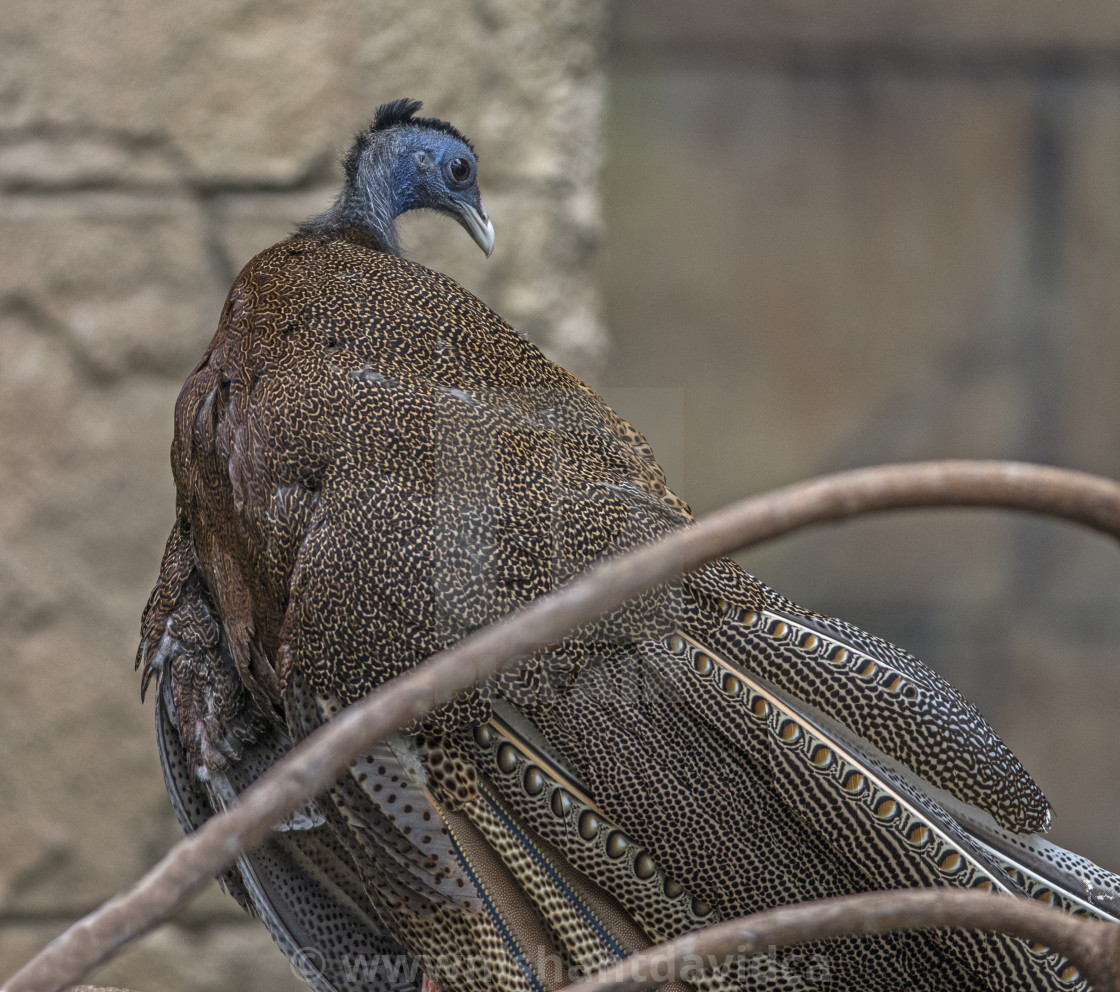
(395,112)
(403,111)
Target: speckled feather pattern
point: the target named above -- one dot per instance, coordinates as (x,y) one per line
(370,464)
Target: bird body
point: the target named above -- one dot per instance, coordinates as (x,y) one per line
(370,464)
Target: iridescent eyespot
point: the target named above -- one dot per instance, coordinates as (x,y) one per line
(507,758)
(588,824)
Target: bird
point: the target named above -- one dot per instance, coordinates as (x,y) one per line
(370,464)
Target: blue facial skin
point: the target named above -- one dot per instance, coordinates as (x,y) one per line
(409,167)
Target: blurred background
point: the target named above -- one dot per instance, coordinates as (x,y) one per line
(783,238)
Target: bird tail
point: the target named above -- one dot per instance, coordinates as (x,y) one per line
(299,882)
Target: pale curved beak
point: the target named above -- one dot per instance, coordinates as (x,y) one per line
(478,225)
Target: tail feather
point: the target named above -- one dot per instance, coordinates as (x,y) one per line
(890,833)
(625,792)
(300,882)
(881,692)
(1043,870)
(711,817)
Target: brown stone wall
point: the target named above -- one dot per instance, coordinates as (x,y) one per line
(147,150)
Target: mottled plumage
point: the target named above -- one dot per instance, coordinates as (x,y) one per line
(370,464)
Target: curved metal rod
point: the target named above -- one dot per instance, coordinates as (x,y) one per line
(309,768)
(1094,946)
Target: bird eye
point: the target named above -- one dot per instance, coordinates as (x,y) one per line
(460,170)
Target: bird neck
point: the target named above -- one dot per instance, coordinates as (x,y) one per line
(368,205)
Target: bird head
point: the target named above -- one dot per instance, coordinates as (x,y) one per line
(403,162)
